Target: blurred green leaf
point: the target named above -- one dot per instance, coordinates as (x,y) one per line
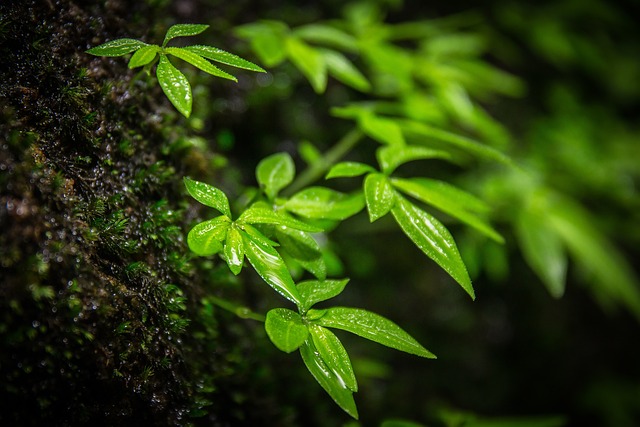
(268,40)
(348,170)
(392,156)
(343,70)
(381,129)
(274,173)
(327,36)
(309,61)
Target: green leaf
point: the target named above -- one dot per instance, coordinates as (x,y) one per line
(309,61)
(274,173)
(381,129)
(175,85)
(116,47)
(342,69)
(257,214)
(269,265)
(327,36)
(206,237)
(143,56)
(392,156)
(432,238)
(299,244)
(379,195)
(372,327)
(208,195)
(327,379)
(315,291)
(334,355)
(324,203)
(234,250)
(455,202)
(285,329)
(198,62)
(182,30)
(267,40)
(348,170)
(219,55)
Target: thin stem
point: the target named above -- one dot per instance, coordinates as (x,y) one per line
(240,311)
(319,167)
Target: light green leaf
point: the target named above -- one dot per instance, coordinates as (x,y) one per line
(348,170)
(392,156)
(299,244)
(381,129)
(116,47)
(327,36)
(274,173)
(309,152)
(309,61)
(175,85)
(257,214)
(372,327)
(234,250)
(182,30)
(219,55)
(327,379)
(267,40)
(315,291)
(334,355)
(324,203)
(451,200)
(432,238)
(198,62)
(379,195)
(206,237)
(269,265)
(342,69)
(143,56)
(285,329)
(208,195)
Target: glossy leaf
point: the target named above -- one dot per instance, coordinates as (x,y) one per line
(208,195)
(324,203)
(198,62)
(379,195)
(206,237)
(117,47)
(257,214)
(183,30)
(309,61)
(175,86)
(299,244)
(143,56)
(392,156)
(432,238)
(334,355)
(223,57)
(381,129)
(234,250)
(315,291)
(327,379)
(348,170)
(285,329)
(274,173)
(451,200)
(373,327)
(343,70)
(270,266)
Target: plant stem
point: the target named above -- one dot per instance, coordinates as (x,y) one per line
(319,167)
(240,311)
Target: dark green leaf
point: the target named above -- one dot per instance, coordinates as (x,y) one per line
(257,214)
(315,291)
(206,237)
(234,250)
(274,173)
(392,156)
(379,195)
(373,327)
(343,70)
(298,244)
(143,56)
(334,355)
(182,30)
(175,85)
(219,55)
(285,329)
(198,62)
(309,61)
(208,195)
(324,203)
(348,170)
(117,47)
(433,239)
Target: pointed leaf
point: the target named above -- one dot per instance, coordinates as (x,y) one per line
(317,267)
(182,30)
(175,86)
(348,170)
(327,36)
(342,69)
(309,61)
(219,55)
(234,250)
(315,291)
(198,62)
(299,244)
(285,329)
(324,203)
(379,195)
(267,40)
(116,47)
(372,327)
(334,355)
(383,130)
(143,56)
(274,173)
(257,214)
(206,237)
(270,266)
(327,379)
(432,238)
(392,156)
(208,195)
